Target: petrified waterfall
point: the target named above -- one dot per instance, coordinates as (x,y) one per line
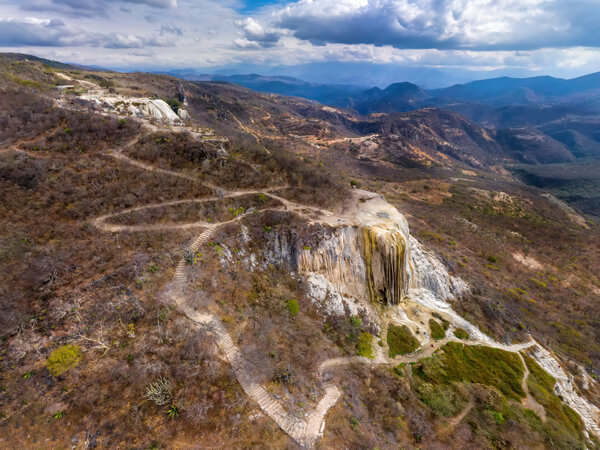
(369,262)
(375,259)
(385,253)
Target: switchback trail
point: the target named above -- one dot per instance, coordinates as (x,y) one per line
(305,431)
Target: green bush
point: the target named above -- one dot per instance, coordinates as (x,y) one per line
(461,334)
(63,359)
(364,347)
(437,331)
(401,340)
(293,306)
(173,412)
(174,103)
(444,400)
(237,211)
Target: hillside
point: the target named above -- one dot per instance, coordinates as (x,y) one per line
(238,269)
(540,120)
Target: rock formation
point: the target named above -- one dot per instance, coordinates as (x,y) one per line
(376,259)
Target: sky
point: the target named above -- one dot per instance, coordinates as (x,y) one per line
(433,42)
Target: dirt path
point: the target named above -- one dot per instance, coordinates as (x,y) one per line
(15,146)
(247,130)
(529,402)
(307,431)
(425,351)
(304,432)
(29,153)
(118,154)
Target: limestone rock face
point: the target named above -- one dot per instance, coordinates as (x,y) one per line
(339,259)
(430,274)
(144,108)
(183,114)
(159,109)
(371,260)
(386,254)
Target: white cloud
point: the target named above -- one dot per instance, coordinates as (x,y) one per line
(255,35)
(554,36)
(443,24)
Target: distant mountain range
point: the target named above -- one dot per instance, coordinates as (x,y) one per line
(497,102)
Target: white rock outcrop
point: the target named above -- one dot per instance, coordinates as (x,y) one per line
(372,259)
(183,114)
(159,109)
(565,388)
(144,108)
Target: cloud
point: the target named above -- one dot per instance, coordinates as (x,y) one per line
(118,40)
(88,8)
(55,33)
(37,33)
(170,29)
(439,24)
(255,35)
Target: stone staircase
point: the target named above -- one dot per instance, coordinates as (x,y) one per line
(304,432)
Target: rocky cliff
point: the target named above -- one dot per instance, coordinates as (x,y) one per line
(370,260)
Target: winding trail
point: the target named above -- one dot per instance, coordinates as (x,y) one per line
(425,351)
(15,146)
(528,401)
(307,431)
(118,154)
(304,432)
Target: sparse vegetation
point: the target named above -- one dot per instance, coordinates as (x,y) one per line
(66,280)
(159,391)
(365,345)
